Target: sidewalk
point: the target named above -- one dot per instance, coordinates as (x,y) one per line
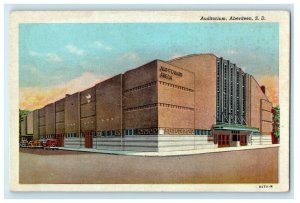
(171,153)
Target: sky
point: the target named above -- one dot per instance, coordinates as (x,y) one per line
(57,59)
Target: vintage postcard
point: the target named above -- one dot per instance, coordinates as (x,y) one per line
(149,101)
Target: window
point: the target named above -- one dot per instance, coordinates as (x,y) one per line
(202,132)
(131,132)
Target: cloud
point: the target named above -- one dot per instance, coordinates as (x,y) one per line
(232,52)
(36,97)
(74,50)
(53,57)
(102,46)
(34,53)
(176,55)
(31,75)
(49,56)
(131,57)
(31,69)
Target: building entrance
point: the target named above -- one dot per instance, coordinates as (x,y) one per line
(223,140)
(243,140)
(88,140)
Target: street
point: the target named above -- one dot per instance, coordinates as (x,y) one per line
(39,166)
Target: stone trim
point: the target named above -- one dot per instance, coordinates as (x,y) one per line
(176,86)
(178,131)
(141,87)
(148,106)
(154,83)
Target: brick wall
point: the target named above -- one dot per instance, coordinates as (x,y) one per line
(50,118)
(42,122)
(60,116)
(175,97)
(204,68)
(29,129)
(109,104)
(35,124)
(88,109)
(259,108)
(140,97)
(72,114)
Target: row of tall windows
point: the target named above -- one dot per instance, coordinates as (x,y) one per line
(231,93)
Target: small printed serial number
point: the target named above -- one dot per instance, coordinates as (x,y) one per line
(265,186)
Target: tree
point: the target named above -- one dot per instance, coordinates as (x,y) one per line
(276,122)
(22,113)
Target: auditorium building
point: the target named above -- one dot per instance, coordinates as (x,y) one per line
(192,102)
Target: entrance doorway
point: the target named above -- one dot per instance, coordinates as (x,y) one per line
(223,140)
(88,139)
(243,140)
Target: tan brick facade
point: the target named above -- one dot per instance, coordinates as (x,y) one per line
(140,97)
(174,97)
(204,69)
(259,108)
(60,116)
(36,124)
(88,110)
(42,122)
(72,114)
(29,117)
(109,104)
(50,119)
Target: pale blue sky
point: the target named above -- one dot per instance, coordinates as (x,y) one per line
(51,54)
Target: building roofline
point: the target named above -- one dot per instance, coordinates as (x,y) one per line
(191,55)
(259,87)
(102,82)
(155,60)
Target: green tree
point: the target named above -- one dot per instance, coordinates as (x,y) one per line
(21,114)
(276,121)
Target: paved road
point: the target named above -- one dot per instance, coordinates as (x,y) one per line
(247,166)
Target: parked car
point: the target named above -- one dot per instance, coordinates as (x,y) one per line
(30,144)
(43,142)
(35,144)
(23,143)
(51,143)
